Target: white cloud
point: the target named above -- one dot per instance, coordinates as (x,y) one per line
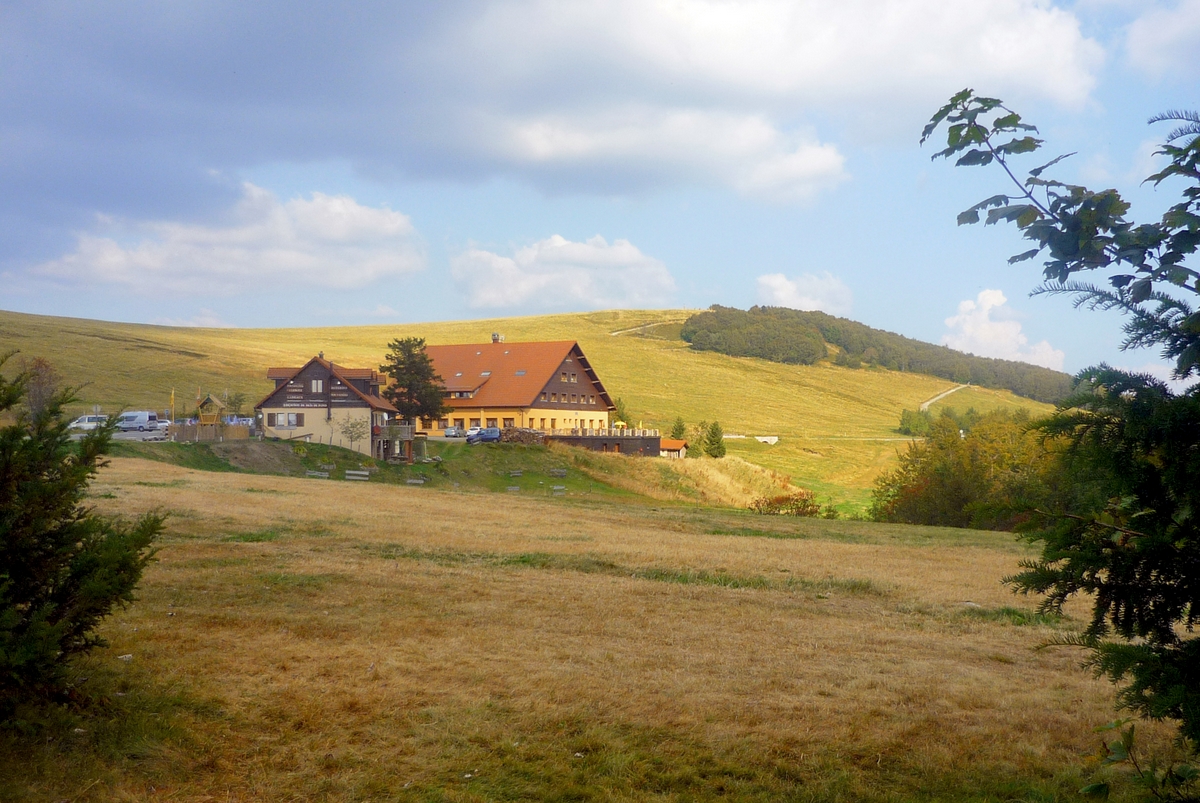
(1166,40)
(558,273)
(802,50)
(823,292)
(743,151)
(325,241)
(984,327)
(205,318)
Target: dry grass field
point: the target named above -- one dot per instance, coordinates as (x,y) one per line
(836,425)
(317,640)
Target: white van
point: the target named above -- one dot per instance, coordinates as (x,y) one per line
(141,420)
(86,423)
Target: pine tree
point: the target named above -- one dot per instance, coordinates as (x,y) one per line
(678,429)
(714,442)
(63,568)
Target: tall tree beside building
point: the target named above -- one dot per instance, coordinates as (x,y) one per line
(714,440)
(416,390)
(679,429)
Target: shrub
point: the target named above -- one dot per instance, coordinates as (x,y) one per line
(801,503)
(62,567)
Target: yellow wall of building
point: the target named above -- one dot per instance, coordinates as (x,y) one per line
(319,430)
(530,417)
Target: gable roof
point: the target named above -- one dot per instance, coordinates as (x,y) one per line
(672,444)
(344,374)
(506,374)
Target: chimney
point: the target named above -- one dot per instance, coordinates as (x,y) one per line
(321,355)
(497,337)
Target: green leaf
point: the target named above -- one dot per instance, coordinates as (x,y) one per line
(1037,171)
(1024,255)
(1022,145)
(1100,790)
(974,157)
(1139,291)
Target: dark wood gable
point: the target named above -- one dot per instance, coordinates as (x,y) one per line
(573,386)
(313,387)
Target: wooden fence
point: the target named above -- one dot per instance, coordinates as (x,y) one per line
(194,433)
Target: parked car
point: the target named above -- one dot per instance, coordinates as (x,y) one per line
(141,420)
(489,435)
(474,431)
(86,423)
(163,424)
(454,432)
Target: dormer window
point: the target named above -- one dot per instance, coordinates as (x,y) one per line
(520,373)
(485,373)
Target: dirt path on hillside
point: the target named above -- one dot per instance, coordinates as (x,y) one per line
(940,396)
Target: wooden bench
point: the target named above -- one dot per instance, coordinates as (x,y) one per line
(324,475)
(561,473)
(416,481)
(362,476)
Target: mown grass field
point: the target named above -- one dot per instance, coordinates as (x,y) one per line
(318,640)
(836,425)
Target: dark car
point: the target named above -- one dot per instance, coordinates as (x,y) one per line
(489,435)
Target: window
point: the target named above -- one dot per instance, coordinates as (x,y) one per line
(574,378)
(591,399)
(426,423)
(553,397)
(491,422)
(485,373)
(542,425)
(574,399)
(460,422)
(270,419)
(543,397)
(318,386)
(553,423)
(508,422)
(563,376)
(443,423)
(474,422)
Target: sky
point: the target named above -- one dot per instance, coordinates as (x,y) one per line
(312,164)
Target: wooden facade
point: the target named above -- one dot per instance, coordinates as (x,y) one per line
(328,403)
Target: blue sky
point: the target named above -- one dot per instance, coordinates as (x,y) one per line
(295,164)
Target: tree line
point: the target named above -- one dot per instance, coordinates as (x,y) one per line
(796,337)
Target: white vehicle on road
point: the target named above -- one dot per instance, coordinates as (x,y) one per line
(86,423)
(141,420)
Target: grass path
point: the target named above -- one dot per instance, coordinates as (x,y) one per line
(926,404)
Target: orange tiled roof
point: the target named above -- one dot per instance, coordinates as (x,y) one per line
(671,444)
(500,374)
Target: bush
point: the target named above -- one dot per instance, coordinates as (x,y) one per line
(62,567)
(801,503)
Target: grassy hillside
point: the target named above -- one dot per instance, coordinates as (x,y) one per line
(310,640)
(836,425)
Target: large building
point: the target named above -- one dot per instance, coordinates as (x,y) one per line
(329,403)
(549,386)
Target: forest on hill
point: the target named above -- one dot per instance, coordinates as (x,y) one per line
(797,337)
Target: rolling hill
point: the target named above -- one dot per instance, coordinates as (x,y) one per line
(837,425)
